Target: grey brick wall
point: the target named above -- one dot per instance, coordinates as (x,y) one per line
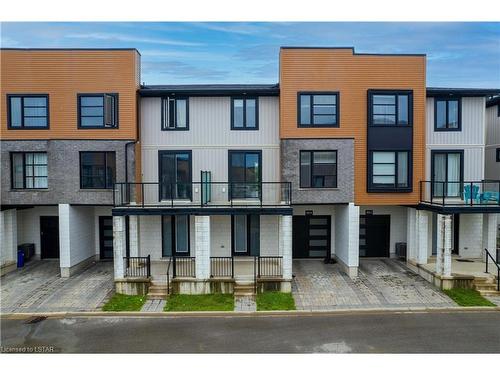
(344,193)
(63,171)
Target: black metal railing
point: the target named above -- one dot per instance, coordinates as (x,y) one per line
(202,194)
(270,266)
(137,266)
(184,266)
(460,193)
(222,267)
(495,262)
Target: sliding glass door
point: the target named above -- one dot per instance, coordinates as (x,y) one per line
(244,174)
(447,173)
(175,174)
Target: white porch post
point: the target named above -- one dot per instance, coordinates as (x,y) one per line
(119,246)
(422,236)
(64,239)
(202,246)
(439,243)
(443,258)
(8,236)
(285,244)
(133,226)
(411,234)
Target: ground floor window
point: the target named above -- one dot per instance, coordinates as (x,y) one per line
(175,235)
(245,234)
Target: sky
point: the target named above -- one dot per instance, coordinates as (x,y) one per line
(458,54)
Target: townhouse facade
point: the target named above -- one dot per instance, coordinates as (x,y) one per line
(69,127)
(208,188)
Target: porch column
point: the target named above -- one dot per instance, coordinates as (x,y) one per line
(285,244)
(422,236)
(64,239)
(8,237)
(133,236)
(490,225)
(119,246)
(443,257)
(411,235)
(202,246)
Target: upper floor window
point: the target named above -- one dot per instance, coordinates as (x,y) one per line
(244,114)
(390,108)
(97,169)
(318,169)
(318,109)
(28,111)
(390,170)
(447,114)
(175,114)
(97,111)
(29,170)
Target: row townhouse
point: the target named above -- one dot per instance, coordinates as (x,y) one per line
(206,188)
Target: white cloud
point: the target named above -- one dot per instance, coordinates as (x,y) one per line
(132,39)
(239,28)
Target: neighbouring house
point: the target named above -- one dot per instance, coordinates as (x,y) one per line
(69,123)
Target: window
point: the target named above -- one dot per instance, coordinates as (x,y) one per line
(175,114)
(391,108)
(175,235)
(447,114)
(245,174)
(498,154)
(97,111)
(245,234)
(244,114)
(29,170)
(447,173)
(318,109)
(318,169)
(175,175)
(390,170)
(97,170)
(28,111)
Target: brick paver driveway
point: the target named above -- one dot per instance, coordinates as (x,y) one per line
(380,283)
(39,288)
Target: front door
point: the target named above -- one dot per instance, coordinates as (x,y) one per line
(374,235)
(49,237)
(106,237)
(311,236)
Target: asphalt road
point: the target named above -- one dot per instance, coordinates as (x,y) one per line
(450,332)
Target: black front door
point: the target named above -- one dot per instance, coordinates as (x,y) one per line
(49,237)
(106,237)
(374,235)
(311,236)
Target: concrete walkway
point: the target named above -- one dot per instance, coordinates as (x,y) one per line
(154,305)
(38,287)
(381,283)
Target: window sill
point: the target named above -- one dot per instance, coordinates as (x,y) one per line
(94,190)
(319,189)
(29,190)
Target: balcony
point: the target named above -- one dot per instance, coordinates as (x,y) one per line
(463,196)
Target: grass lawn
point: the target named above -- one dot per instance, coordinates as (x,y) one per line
(468,297)
(275,301)
(123,302)
(200,302)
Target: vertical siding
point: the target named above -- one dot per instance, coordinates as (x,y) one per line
(492,167)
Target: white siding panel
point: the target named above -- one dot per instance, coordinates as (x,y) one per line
(492,126)
(473,125)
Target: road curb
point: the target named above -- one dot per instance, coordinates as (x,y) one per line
(227,314)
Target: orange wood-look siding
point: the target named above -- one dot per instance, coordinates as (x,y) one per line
(63,74)
(352,75)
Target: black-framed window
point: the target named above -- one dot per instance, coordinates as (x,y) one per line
(175,113)
(175,235)
(97,169)
(244,113)
(318,169)
(97,111)
(498,155)
(447,171)
(498,110)
(390,170)
(318,109)
(30,111)
(390,108)
(245,234)
(245,174)
(29,170)
(175,175)
(447,114)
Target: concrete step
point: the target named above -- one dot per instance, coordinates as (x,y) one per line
(152,296)
(485,286)
(246,289)
(489,292)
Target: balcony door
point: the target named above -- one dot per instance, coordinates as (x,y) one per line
(245,174)
(447,173)
(175,175)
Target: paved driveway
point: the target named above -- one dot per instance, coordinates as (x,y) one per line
(380,283)
(39,288)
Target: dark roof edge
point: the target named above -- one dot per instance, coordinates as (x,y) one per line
(354,52)
(493,101)
(450,91)
(211,91)
(69,49)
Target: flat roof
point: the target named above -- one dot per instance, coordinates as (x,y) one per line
(354,51)
(70,49)
(452,91)
(211,89)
